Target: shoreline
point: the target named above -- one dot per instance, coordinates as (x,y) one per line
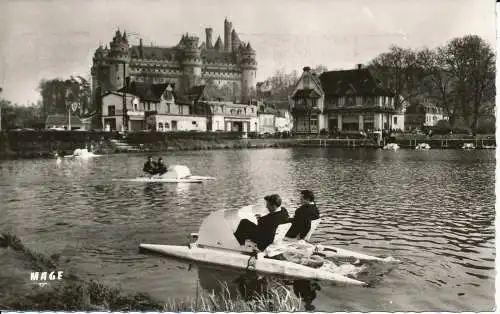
(26,145)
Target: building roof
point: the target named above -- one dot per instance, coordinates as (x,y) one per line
(155,53)
(280,104)
(423,108)
(59,119)
(216,56)
(146,91)
(359,82)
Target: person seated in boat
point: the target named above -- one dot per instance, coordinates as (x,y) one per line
(264,231)
(149,166)
(161,168)
(301,221)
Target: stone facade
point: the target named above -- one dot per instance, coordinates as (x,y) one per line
(230,66)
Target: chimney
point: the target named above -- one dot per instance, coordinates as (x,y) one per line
(359,66)
(140,48)
(306,69)
(227,35)
(208,41)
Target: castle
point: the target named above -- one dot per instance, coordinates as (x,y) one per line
(228,66)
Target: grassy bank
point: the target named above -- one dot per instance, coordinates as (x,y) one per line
(72,293)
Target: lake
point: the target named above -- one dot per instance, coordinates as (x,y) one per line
(433,210)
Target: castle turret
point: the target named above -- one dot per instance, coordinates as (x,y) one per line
(227,35)
(208,39)
(191,63)
(218,44)
(235,41)
(248,65)
(118,58)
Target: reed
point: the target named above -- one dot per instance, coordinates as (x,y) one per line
(76,294)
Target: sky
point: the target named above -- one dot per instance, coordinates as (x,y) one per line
(45,39)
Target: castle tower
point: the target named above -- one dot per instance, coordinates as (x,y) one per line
(227,35)
(191,63)
(235,41)
(248,66)
(118,59)
(208,39)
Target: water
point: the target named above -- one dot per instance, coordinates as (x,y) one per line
(433,210)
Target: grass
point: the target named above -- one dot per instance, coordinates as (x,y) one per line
(75,294)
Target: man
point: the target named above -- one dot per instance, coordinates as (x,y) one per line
(301,221)
(264,231)
(161,168)
(149,166)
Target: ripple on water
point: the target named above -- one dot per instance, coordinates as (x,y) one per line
(433,211)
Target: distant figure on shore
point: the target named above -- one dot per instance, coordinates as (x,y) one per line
(301,221)
(149,166)
(161,168)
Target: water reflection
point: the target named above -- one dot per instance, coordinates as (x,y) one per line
(433,210)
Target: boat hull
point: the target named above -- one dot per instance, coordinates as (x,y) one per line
(244,261)
(164,180)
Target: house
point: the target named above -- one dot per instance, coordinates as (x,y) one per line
(150,107)
(59,121)
(398,118)
(283,120)
(231,117)
(267,115)
(422,114)
(341,100)
(114,117)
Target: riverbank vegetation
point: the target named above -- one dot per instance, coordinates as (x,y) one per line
(73,293)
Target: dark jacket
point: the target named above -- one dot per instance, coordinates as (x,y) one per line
(267,225)
(301,222)
(161,168)
(149,167)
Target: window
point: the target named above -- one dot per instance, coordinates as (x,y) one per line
(395,120)
(111,110)
(160,127)
(194,123)
(350,100)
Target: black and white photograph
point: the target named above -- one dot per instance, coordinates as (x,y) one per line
(248,156)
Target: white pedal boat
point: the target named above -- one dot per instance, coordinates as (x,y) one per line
(175,174)
(81,153)
(423,146)
(391,146)
(215,244)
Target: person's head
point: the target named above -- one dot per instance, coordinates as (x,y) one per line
(160,160)
(273,202)
(307,196)
(150,159)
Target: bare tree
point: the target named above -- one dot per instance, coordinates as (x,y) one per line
(398,70)
(438,84)
(472,62)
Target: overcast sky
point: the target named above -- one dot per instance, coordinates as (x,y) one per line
(48,39)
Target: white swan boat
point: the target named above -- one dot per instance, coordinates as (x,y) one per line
(81,153)
(216,244)
(391,146)
(423,146)
(175,174)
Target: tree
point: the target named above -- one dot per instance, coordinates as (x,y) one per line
(472,63)
(438,83)
(58,94)
(320,69)
(398,71)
